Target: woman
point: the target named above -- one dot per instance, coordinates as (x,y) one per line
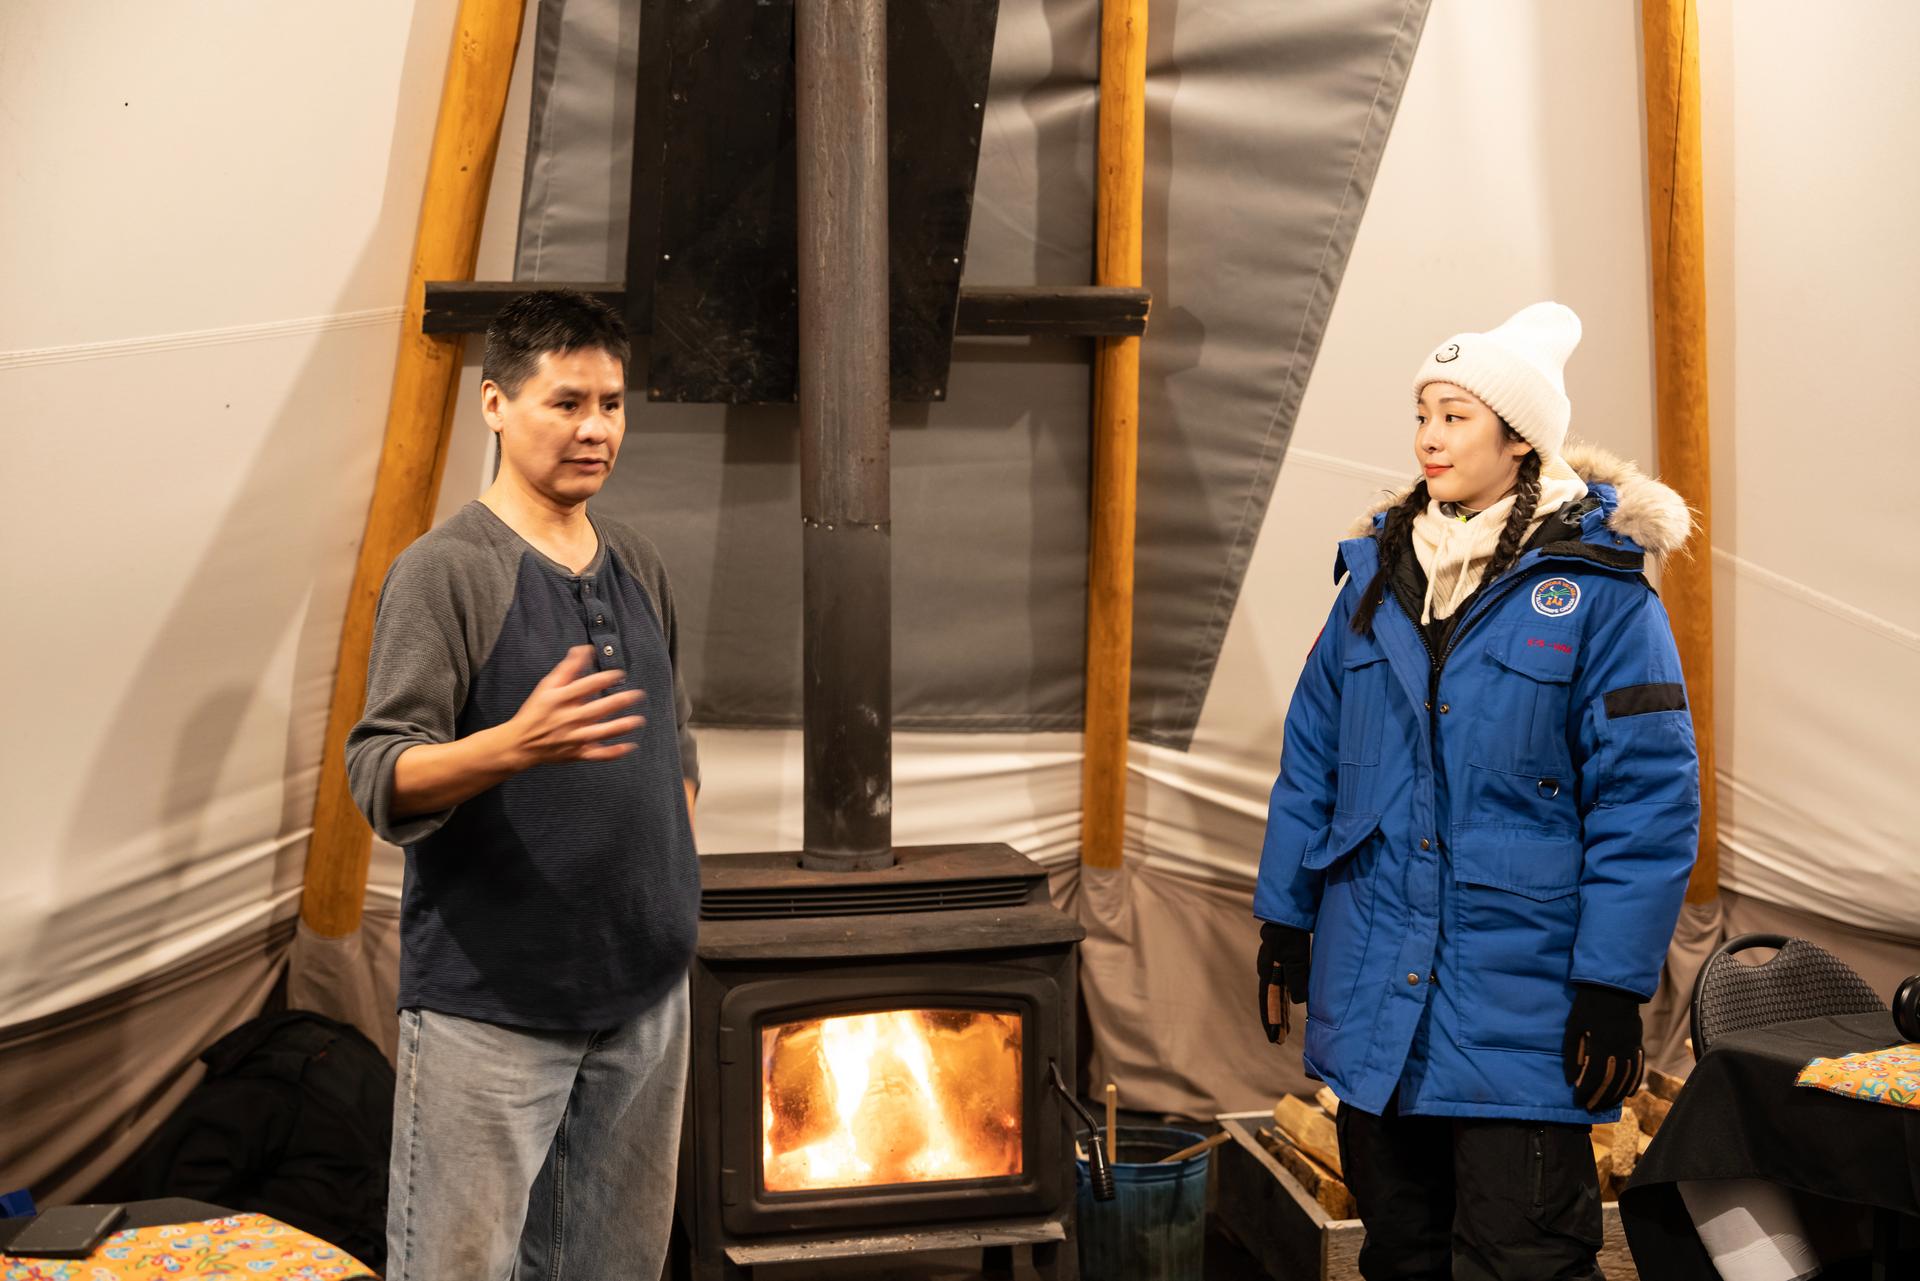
(1487,809)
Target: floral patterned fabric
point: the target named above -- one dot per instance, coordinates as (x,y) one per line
(1880,1076)
(245,1247)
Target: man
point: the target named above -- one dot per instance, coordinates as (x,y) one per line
(552,890)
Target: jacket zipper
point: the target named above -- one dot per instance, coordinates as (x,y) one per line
(1480,610)
(1539,1154)
(1436,663)
(1508,581)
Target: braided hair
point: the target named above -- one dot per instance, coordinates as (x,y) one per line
(1526,497)
(1396,536)
(1396,541)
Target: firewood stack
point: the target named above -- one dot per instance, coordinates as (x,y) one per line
(1304,1141)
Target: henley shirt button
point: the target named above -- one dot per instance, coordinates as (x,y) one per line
(1413,979)
(607,650)
(599,619)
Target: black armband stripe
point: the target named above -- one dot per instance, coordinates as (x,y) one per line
(1638,700)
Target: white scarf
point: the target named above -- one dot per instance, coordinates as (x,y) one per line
(1455,552)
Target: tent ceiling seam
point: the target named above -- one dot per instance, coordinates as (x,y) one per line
(1345,466)
(1885,627)
(191,338)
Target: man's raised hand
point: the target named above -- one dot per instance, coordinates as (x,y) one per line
(565,718)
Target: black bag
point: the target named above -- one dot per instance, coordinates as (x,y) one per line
(293,1120)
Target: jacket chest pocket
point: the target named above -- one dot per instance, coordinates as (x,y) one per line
(1363,700)
(1521,720)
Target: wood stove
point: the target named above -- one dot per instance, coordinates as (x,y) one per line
(871,1061)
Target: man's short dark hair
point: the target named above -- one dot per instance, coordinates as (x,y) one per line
(549,320)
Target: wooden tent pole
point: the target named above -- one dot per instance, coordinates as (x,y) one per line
(486,38)
(1671,31)
(1116,443)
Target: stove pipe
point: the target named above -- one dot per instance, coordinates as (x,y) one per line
(840,79)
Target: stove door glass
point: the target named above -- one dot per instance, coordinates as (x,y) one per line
(890,1097)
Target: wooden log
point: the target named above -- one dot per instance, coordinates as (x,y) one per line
(1652,1111)
(426,376)
(1116,436)
(1321,1184)
(1329,1101)
(1671,33)
(1662,1085)
(1310,1130)
(1626,1144)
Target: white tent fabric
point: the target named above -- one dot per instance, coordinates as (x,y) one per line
(202,254)
(1811,279)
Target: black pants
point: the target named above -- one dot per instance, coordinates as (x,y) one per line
(1472,1200)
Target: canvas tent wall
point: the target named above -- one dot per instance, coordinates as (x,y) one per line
(201,255)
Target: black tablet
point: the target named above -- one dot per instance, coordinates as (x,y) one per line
(66,1231)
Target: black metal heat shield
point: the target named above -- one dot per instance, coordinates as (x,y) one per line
(711,238)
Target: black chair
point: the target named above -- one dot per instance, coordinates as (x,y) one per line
(1801,981)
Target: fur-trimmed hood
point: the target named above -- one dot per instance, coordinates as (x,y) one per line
(1640,508)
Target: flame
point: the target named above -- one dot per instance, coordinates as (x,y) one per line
(897,1096)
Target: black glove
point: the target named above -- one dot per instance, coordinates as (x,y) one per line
(1286,953)
(1602,1053)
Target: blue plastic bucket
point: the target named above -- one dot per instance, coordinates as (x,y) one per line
(1155,1227)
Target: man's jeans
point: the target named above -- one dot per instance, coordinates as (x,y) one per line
(535,1155)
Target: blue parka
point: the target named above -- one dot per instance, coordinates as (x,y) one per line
(1470,834)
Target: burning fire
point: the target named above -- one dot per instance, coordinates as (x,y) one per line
(899,1096)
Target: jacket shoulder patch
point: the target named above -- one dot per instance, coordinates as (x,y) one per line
(1556,597)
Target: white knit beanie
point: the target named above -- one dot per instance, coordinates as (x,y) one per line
(1517,370)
